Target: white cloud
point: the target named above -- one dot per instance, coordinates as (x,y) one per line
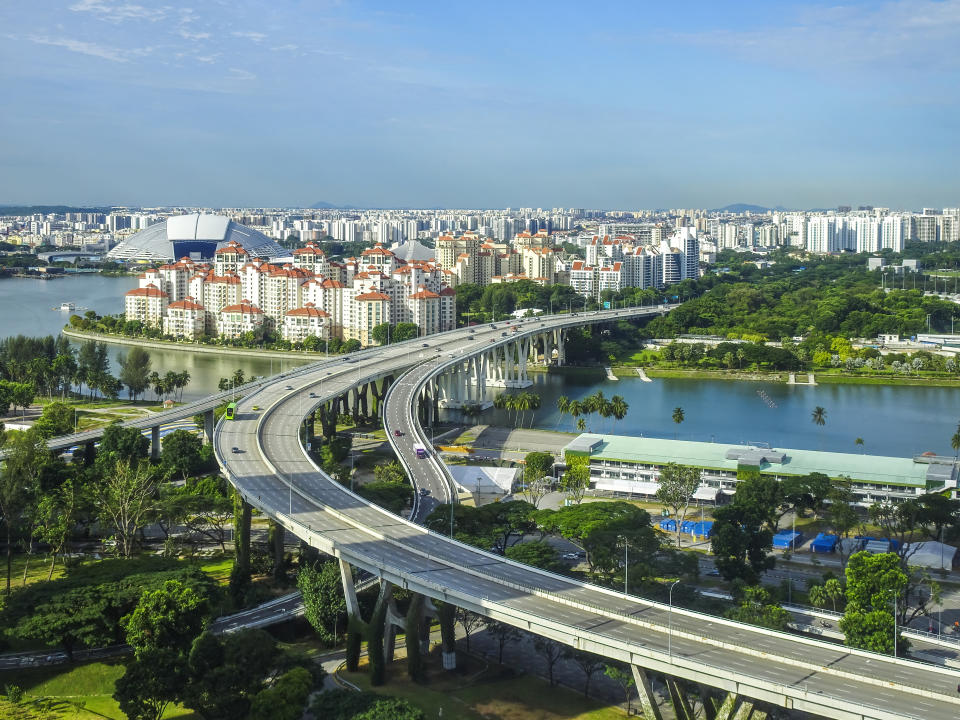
(239,74)
(79,46)
(893,35)
(289,46)
(250,35)
(187,35)
(208,58)
(118,12)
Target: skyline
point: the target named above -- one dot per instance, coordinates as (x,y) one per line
(800,105)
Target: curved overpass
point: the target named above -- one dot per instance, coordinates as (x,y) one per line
(263,456)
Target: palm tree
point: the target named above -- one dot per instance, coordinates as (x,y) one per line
(534,402)
(563,404)
(955,442)
(859,442)
(677,418)
(581,424)
(619,407)
(819,416)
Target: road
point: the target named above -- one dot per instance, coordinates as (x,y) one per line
(274,473)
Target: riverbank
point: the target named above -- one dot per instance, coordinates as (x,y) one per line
(823,377)
(191,347)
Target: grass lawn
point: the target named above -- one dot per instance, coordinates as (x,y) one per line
(493,695)
(83,691)
(218,568)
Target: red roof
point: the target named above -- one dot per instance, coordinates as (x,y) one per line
(187,303)
(424,295)
(244,306)
(232,247)
(148,291)
(371,296)
(447,291)
(308,310)
(377,249)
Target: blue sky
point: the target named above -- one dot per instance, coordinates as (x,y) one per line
(480,104)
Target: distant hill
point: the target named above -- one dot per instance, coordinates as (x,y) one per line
(45,209)
(742,208)
(323,205)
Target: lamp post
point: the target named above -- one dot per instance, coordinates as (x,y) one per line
(894,626)
(670,622)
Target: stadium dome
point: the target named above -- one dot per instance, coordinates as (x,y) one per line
(195,236)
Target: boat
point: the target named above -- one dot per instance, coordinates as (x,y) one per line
(68,306)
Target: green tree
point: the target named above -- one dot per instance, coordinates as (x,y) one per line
(285,699)
(875,585)
(576,478)
(678,483)
(226,673)
(743,530)
(537,477)
(841,514)
(181,453)
(56,419)
(391,709)
(819,416)
(169,618)
(126,499)
(502,633)
(598,528)
(121,444)
(135,371)
(149,684)
(537,553)
(757,607)
(57,513)
(678,416)
(20,473)
(323,600)
(830,593)
(623,678)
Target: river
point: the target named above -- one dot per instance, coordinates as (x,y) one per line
(31,307)
(892,420)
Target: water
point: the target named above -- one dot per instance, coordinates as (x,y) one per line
(31,307)
(892,420)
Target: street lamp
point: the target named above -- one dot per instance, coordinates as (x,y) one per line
(670,622)
(626,565)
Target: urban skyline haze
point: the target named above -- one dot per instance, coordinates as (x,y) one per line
(451,105)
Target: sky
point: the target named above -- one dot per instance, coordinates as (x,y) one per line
(614,105)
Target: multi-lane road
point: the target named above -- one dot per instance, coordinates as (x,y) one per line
(262,453)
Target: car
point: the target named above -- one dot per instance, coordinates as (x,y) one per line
(289,387)
(570,556)
(426,345)
(424,491)
(235,449)
(397,433)
(714,573)
(503,334)
(256,407)
(313,394)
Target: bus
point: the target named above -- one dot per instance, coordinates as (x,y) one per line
(420,451)
(231,413)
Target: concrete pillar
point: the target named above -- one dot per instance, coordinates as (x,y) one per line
(155,442)
(349,591)
(745,710)
(648,701)
(208,422)
(681,707)
(394,620)
(706,699)
(729,704)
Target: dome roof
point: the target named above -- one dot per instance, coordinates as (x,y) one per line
(197,236)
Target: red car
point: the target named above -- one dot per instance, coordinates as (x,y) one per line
(397,433)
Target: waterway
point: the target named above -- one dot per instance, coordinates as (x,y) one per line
(892,420)
(32,307)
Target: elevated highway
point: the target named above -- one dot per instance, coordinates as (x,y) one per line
(263,455)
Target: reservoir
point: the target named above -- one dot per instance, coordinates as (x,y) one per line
(892,420)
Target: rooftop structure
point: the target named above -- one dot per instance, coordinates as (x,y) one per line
(195,236)
(631,465)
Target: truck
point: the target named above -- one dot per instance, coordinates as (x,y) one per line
(420,451)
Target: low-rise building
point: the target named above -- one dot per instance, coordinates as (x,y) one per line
(185,318)
(631,466)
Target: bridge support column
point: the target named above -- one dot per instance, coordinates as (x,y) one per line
(648,701)
(681,707)
(355,404)
(727,707)
(446,613)
(208,421)
(706,699)
(558,341)
(155,442)
(349,590)
(364,395)
(392,621)
(276,534)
